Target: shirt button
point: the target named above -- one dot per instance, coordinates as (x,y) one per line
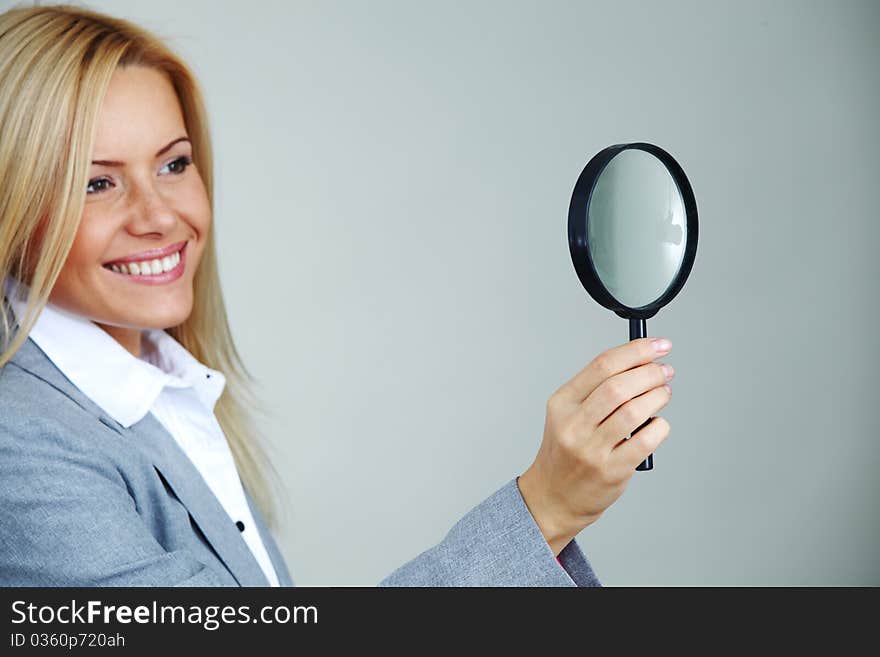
(240,525)
(208,375)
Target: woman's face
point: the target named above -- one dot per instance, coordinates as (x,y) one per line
(143,195)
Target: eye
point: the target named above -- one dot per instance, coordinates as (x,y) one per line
(182,164)
(97,181)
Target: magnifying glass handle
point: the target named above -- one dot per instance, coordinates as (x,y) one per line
(648,463)
(638,328)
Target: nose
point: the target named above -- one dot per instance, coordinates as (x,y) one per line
(149,211)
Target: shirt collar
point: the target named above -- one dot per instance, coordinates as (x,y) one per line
(124,386)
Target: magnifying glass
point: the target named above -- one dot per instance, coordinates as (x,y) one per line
(632,234)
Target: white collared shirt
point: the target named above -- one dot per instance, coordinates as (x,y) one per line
(167,381)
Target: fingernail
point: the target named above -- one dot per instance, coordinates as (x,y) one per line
(667,371)
(661,345)
(668,389)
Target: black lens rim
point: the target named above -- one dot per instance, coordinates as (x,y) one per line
(578,230)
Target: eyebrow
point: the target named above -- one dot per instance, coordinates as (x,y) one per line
(115,163)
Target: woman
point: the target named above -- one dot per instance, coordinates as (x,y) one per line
(127,455)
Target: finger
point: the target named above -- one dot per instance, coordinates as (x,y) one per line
(629,453)
(607,364)
(632,415)
(613,393)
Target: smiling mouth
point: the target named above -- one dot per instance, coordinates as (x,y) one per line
(151,267)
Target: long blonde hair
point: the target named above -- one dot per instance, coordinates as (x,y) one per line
(55,66)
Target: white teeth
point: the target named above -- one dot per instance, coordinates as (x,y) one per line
(149,268)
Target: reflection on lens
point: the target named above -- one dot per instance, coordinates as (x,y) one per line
(636,228)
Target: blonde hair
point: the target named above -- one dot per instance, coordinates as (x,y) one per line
(55,66)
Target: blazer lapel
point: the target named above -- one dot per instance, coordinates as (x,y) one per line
(168,458)
(284,578)
(204,507)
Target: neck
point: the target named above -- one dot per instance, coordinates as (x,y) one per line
(129,338)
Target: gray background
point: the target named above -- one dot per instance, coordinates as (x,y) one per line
(393,182)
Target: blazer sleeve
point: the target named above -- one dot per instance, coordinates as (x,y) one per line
(69,520)
(497,543)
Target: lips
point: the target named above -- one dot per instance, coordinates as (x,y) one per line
(152,254)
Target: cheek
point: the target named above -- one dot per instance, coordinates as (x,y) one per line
(90,244)
(202,219)
(86,250)
(74,286)
(198,206)
(194,210)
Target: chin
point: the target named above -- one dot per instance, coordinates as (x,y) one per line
(160,321)
(173,320)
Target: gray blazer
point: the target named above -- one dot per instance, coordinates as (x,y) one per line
(87,502)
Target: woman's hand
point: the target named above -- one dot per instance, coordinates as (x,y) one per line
(585,461)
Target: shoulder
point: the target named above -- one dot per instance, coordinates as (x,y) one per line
(40,421)
(19,386)
(25,397)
